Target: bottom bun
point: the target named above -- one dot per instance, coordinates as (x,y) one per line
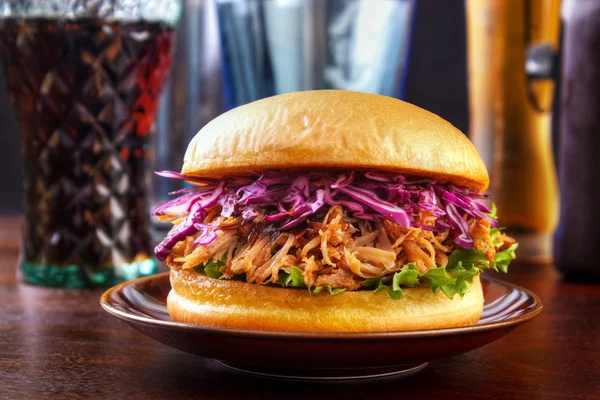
(200,300)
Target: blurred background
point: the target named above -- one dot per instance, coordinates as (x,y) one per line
(491,68)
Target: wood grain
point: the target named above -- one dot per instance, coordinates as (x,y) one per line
(60,344)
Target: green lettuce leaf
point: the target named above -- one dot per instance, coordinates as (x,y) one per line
(211,268)
(452,281)
(379,284)
(493,211)
(293,277)
(297,277)
(328,288)
(464,278)
(371,283)
(408,276)
(437,278)
(495,236)
(284,278)
(468,258)
(394,293)
(504,257)
(464,274)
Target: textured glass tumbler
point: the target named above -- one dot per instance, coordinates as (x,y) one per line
(271,46)
(84,79)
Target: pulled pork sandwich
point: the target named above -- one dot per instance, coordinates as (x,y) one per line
(330,211)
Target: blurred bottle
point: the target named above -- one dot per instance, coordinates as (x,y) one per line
(278,46)
(576,240)
(511,47)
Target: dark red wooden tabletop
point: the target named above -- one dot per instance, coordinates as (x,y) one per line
(61,344)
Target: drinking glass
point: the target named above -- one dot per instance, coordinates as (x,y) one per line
(84,79)
(278,46)
(511,52)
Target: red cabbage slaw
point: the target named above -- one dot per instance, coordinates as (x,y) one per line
(288,199)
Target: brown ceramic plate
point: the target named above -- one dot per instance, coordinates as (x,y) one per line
(142,304)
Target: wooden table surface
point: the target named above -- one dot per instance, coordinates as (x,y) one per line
(61,344)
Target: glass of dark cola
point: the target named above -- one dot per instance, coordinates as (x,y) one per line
(84,80)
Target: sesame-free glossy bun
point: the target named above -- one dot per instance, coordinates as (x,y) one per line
(335,129)
(200,300)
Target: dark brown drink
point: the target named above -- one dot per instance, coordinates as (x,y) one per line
(577,241)
(85,94)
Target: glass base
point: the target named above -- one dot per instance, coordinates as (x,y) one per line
(78,277)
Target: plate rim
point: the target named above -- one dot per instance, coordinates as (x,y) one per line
(249,333)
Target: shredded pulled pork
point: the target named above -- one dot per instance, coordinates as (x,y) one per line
(338,250)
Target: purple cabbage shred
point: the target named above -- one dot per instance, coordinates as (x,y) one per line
(289,199)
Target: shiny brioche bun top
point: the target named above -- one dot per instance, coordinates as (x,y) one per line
(335,129)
